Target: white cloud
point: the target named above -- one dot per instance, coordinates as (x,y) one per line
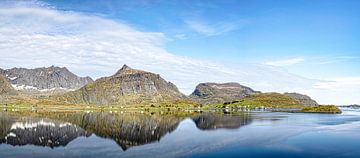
(345,90)
(286,62)
(33,34)
(180,36)
(211,29)
(339,83)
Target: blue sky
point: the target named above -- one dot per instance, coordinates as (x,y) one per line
(325,34)
(310,47)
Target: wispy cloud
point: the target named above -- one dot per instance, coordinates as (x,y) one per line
(334,59)
(339,83)
(202,27)
(180,36)
(344,90)
(285,62)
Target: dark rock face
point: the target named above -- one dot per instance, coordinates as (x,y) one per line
(2,72)
(303,99)
(127,86)
(207,93)
(42,79)
(5,86)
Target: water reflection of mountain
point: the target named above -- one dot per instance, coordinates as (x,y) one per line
(40,132)
(211,121)
(127,130)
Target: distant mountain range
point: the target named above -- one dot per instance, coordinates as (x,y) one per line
(44,79)
(126,87)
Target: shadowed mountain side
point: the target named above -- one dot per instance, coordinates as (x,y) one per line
(303,99)
(39,132)
(210,121)
(5,86)
(6,90)
(126,87)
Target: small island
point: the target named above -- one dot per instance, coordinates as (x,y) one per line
(329,109)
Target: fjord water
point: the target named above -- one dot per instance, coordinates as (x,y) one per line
(179,134)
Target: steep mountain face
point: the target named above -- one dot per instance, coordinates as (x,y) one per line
(5,86)
(2,72)
(303,99)
(127,86)
(44,79)
(207,93)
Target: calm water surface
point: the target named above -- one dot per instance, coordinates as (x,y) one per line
(206,134)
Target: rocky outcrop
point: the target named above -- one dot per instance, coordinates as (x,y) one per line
(5,87)
(207,93)
(44,79)
(303,99)
(126,87)
(2,72)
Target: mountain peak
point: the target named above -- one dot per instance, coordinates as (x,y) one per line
(127,70)
(127,86)
(125,67)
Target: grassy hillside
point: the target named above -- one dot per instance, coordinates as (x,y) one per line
(271,100)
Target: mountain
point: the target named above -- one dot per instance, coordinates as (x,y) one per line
(303,99)
(44,79)
(5,86)
(207,93)
(127,86)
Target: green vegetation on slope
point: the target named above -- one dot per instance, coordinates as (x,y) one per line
(274,101)
(269,100)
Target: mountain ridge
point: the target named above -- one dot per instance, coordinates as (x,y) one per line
(44,79)
(210,92)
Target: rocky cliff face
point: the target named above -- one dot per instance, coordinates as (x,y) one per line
(206,93)
(303,99)
(44,79)
(127,86)
(5,86)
